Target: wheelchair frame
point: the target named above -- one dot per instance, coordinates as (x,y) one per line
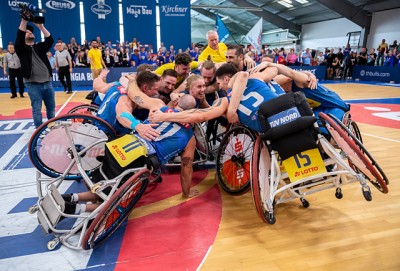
(90,229)
(270,187)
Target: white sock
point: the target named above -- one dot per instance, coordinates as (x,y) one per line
(80,208)
(75,197)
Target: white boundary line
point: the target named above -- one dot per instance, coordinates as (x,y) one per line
(65,104)
(384,138)
(204,259)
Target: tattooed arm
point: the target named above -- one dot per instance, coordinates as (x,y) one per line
(141,99)
(194,115)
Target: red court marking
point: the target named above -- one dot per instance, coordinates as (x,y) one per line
(170,186)
(27,113)
(177,238)
(362,115)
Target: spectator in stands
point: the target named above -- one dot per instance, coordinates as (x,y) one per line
(217,50)
(142,55)
(321,61)
(336,67)
(281,58)
(96,59)
(362,57)
(382,48)
(81,60)
(350,62)
(340,55)
(51,59)
(125,58)
(160,57)
(162,47)
(135,58)
(116,58)
(346,51)
(306,57)
(133,44)
(194,53)
(371,57)
(172,52)
(99,42)
(329,60)
(12,63)
(291,58)
(72,50)
(109,45)
(108,58)
(85,45)
(390,59)
(393,46)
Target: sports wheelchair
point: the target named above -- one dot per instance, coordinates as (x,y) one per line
(79,146)
(292,159)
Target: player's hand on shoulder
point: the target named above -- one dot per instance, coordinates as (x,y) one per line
(156,116)
(248,62)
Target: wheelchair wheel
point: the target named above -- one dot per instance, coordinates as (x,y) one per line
(116,210)
(260,175)
(233,160)
(359,158)
(88,109)
(50,148)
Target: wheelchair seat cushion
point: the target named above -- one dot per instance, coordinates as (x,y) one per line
(288,122)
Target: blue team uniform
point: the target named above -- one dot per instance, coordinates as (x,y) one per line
(324,100)
(173,138)
(107,109)
(255,94)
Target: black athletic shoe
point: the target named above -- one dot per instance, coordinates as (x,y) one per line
(21,95)
(13,96)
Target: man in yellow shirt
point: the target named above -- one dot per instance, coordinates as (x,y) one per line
(183,65)
(96,59)
(382,49)
(217,50)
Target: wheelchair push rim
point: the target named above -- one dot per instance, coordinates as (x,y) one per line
(233,160)
(116,211)
(260,175)
(50,151)
(370,164)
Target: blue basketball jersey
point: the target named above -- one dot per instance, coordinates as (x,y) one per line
(322,97)
(107,109)
(255,94)
(173,137)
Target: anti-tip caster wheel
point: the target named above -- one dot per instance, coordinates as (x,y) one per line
(33,209)
(367,193)
(51,245)
(271,218)
(339,193)
(305,202)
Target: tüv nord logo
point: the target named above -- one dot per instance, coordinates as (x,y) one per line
(101,9)
(60,4)
(284,117)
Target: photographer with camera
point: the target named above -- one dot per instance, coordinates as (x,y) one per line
(35,66)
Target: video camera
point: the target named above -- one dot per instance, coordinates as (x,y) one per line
(28,11)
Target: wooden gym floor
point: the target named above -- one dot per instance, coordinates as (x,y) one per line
(215,231)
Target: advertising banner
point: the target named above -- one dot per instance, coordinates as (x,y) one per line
(101,19)
(175,23)
(378,73)
(140,22)
(10,20)
(58,13)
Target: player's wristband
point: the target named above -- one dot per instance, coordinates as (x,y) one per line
(134,121)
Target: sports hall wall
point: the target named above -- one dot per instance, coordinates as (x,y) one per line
(333,33)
